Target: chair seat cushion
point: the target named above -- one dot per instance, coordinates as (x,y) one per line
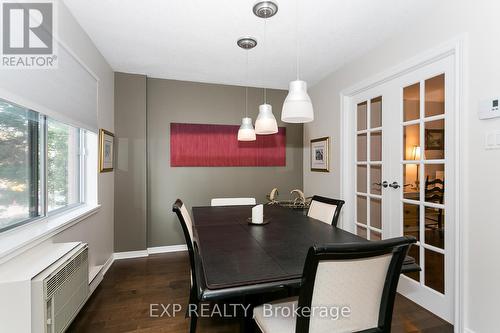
(274,318)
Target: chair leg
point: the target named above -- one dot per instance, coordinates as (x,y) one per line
(192,301)
(192,324)
(193,304)
(193,315)
(440,224)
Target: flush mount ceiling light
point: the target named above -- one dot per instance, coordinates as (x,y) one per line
(297,107)
(247,43)
(265,9)
(246,131)
(266,123)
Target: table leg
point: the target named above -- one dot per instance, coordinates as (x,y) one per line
(247,324)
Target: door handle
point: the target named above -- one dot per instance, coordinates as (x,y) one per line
(384,184)
(394,185)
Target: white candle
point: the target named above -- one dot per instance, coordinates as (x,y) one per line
(258,214)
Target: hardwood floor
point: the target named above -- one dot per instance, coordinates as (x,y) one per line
(122,302)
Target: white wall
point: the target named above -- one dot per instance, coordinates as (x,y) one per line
(96,230)
(478,20)
(65,93)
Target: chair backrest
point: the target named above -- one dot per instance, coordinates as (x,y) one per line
(325,209)
(232,201)
(434,190)
(187,228)
(360,276)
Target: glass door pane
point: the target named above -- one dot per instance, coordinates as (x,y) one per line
(424,178)
(369,158)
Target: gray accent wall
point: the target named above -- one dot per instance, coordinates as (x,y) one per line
(130,169)
(170,101)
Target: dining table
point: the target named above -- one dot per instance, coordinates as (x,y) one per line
(235,258)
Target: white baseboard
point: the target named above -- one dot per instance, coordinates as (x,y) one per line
(103,269)
(148,251)
(166,249)
(108,264)
(130,254)
(99,274)
(468,330)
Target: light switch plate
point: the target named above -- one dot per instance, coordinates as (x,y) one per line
(492,140)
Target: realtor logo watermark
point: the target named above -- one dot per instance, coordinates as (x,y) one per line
(205,310)
(28,30)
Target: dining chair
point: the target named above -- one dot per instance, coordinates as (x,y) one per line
(325,209)
(232,201)
(360,277)
(434,192)
(187,228)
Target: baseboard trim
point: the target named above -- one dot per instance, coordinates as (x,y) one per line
(97,279)
(107,264)
(148,251)
(468,330)
(167,249)
(130,254)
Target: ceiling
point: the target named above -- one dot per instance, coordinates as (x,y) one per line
(195,40)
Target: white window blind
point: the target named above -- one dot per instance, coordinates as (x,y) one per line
(67,93)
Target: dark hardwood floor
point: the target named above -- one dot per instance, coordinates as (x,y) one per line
(122,302)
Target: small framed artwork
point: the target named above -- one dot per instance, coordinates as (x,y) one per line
(106,151)
(434,139)
(320,154)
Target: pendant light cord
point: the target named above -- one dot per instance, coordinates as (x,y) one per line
(297,35)
(246,86)
(265,54)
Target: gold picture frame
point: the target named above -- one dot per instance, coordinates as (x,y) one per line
(320,154)
(106,150)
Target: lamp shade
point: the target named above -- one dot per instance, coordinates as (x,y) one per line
(246,131)
(266,123)
(416,153)
(297,107)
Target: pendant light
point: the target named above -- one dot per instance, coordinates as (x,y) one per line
(246,131)
(266,122)
(297,107)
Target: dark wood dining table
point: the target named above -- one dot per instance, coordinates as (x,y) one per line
(238,259)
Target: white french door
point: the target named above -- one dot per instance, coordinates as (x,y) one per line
(404,179)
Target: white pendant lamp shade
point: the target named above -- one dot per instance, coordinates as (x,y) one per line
(297,107)
(246,131)
(266,123)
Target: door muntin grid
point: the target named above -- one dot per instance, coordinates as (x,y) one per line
(423,168)
(369,137)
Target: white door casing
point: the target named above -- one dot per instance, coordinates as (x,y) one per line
(390,87)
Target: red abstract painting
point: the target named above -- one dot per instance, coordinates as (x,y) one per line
(199,145)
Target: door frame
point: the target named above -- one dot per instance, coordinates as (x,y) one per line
(455,48)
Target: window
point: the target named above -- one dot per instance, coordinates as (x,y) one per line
(19,166)
(63,167)
(42,167)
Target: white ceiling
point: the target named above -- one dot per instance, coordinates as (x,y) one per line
(195,40)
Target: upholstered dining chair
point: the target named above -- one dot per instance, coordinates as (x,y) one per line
(360,277)
(325,209)
(232,201)
(187,227)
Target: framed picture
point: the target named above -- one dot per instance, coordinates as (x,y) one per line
(106,150)
(320,154)
(434,139)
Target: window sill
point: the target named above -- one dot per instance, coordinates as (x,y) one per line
(17,240)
